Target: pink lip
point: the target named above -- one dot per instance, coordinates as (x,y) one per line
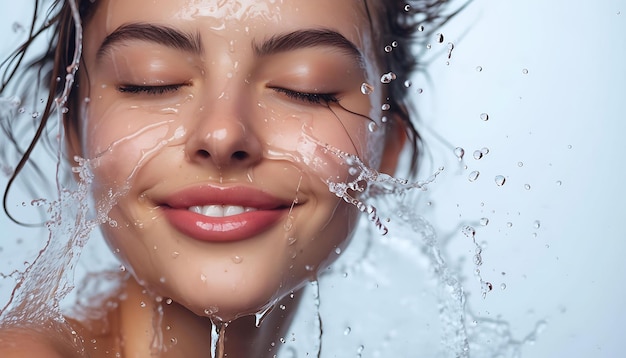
(223,229)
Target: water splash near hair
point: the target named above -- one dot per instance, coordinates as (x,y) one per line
(46,281)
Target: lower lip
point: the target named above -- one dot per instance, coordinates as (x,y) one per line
(223,229)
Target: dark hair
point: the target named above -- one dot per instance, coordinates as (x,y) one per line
(395,23)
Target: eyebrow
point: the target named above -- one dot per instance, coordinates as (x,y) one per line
(159,34)
(177,39)
(307,38)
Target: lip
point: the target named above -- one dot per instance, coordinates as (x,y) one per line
(239,227)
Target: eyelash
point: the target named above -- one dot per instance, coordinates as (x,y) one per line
(150,90)
(313,98)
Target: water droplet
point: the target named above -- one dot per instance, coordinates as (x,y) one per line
(569,146)
(525,71)
(202,277)
(485,151)
(338,251)
(309,267)
(408,83)
(173,340)
(372,127)
(142,304)
(420,91)
(237,259)
(450,49)
(17,27)
(509,224)
(388,77)
(366,88)
(353,171)
(175,254)
(288,225)
(484,221)
(537,224)
(469,231)
(439,37)
(429,46)
(479,69)
(487,286)
(473,175)
(459,153)
(211,310)
(527,186)
(394,44)
(559,183)
(484,116)
(385,107)
(168,301)
(407,8)
(347,331)
(500,180)
(520,164)
(420,28)
(478,154)
(388,48)
(503,286)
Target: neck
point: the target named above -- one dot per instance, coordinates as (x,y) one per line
(148,326)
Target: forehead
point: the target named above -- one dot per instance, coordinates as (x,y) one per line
(233,18)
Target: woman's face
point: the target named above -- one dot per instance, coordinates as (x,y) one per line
(214,119)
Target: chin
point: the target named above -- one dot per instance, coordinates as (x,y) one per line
(225,298)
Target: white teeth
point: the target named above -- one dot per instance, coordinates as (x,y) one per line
(213,211)
(233,210)
(219,211)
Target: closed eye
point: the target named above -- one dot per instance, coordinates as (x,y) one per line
(312,98)
(150,90)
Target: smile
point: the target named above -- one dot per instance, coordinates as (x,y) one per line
(212,214)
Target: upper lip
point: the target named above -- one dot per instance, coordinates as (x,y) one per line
(236,196)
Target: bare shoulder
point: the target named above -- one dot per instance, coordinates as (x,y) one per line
(24,342)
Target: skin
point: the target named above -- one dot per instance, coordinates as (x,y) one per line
(158,120)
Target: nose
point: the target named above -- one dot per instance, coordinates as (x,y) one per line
(223,139)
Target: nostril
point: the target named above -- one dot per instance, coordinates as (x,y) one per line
(240,155)
(203,153)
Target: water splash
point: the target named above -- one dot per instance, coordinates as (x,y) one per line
(367,182)
(485,286)
(318,321)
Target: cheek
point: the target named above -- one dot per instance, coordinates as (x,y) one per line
(118,142)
